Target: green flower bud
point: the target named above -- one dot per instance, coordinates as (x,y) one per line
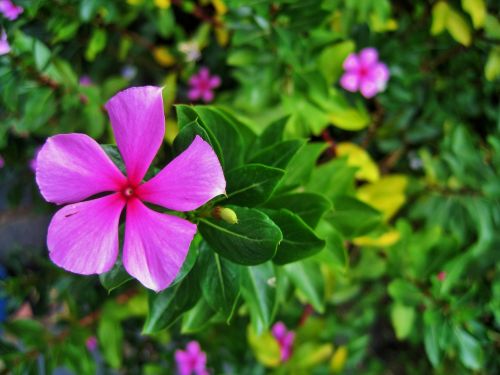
(226,214)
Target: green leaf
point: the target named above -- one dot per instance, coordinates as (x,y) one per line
(405,292)
(477,11)
(198,318)
(253,240)
(187,134)
(219,281)
(353,218)
(41,54)
(403,319)
(352,119)
(299,240)
(88,9)
(470,351)
(458,28)
(333,179)
(115,277)
(272,134)
(168,306)
(252,184)
(302,164)
(110,333)
(331,60)
(309,206)
(226,133)
(115,156)
(307,278)
(259,292)
(278,155)
(96,44)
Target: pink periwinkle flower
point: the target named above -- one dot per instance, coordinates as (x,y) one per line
(365,73)
(441,276)
(4,44)
(91,343)
(192,361)
(202,85)
(285,340)
(10,10)
(83,235)
(85,80)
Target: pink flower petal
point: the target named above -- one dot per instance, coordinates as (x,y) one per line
(214,82)
(187,182)
(351,63)
(194,94)
(350,82)
(204,74)
(369,88)
(279,330)
(208,96)
(72,167)
(194,81)
(138,123)
(83,237)
(380,74)
(193,348)
(368,57)
(155,246)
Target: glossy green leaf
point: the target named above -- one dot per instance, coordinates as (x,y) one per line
(187,134)
(278,155)
(252,184)
(299,240)
(115,277)
(307,278)
(309,206)
(405,292)
(353,218)
(253,240)
(258,288)
(198,318)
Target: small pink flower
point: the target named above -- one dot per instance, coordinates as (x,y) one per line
(202,85)
(83,236)
(2,162)
(4,44)
(91,343)
(10,10)
(192,361)
(285,340)
(441,276)
(364,73)
(32,162)
(85,81)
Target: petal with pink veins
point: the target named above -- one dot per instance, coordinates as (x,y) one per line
(187,182)
(72,167)
(155,245)
(351,63)
(138,123)
(83,237)
(350,81)
(368,57)
(369,88)
(214,82)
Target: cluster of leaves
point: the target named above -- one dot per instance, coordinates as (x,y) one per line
(368,227)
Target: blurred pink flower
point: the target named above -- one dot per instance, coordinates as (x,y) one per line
(202,85)
(91,343)
(192,361)
(83,236)
(364,73)
(10,10)
(441,276)
(32,162)
(285,340)
(4,44)
(85,81)
(2,162)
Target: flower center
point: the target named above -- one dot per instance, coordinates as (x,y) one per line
(128,192)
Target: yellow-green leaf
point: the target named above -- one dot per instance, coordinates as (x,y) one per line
(492,67)
(458,27)
(388,238)
(338,359)
(403,318)
(358,157)
(349,119)
(265,347)
(386,195)
(476,10)
(439,16)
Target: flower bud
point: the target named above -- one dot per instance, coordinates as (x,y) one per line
(226,214)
